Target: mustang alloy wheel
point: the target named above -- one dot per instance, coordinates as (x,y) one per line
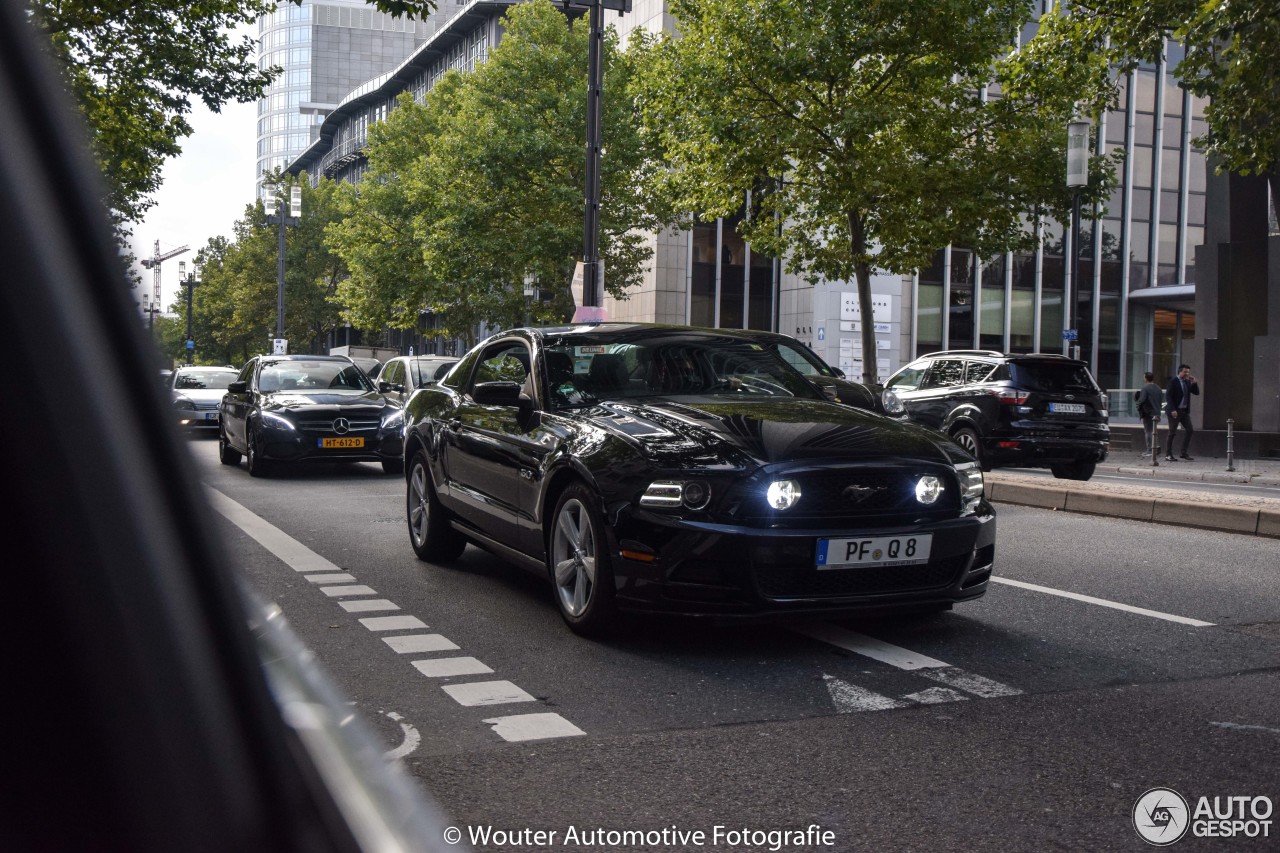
(579,563)
(430,534)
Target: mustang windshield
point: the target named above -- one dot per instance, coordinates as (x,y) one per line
(584,370)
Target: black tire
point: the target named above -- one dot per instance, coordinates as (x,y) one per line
(579,564)
(1073,470)
(258,467)
(969,440)
(227,454)
(430,534)
(393,466)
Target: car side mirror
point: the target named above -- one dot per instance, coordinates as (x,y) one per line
(237,387)
(839,374)
(500,394)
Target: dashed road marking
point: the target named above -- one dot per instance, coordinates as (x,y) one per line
(852,641)
(392,623)
(533,727)
(320,571)
(983,688)
(331,577)
(416,643)
(338,591)
(367,605)
(449,667)
(486,693)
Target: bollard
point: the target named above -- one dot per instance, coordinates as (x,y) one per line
(1155,441)
(1231,423)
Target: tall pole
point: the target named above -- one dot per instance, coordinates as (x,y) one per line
(280,274)
(591,284)
(1073,301)
(1077,180)
(190,284)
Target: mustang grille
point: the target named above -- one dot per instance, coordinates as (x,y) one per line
(829,495)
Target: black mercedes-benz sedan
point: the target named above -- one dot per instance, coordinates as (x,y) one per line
(675,469)
(307,408)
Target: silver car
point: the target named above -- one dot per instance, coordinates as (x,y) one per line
(400,377)
(195,393)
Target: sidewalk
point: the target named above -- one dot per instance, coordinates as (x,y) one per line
(1162,502)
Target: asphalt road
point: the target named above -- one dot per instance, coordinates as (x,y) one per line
(1112,658)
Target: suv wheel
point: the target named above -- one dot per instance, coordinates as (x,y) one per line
(1073,470)
(968,439)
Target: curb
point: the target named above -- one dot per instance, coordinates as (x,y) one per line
(1223,517)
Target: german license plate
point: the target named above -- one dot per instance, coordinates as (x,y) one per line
(1067,408)
(345,443)
(210,416)
(874,551)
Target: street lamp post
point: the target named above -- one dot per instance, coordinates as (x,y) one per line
(592,268)
(1077,180)
(190,283)
(294,217)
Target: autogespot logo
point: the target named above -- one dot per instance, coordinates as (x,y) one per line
(1161,816)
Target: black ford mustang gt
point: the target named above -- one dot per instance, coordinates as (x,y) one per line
(688,470)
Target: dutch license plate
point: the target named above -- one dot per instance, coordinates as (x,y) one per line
(210,416)
(874,551)
(1067,408)
(341,443)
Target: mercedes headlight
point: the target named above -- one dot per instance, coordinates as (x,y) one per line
(270,420)
(393,420)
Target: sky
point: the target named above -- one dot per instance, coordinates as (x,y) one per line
(205,190)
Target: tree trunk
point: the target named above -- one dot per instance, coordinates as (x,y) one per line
(866,319)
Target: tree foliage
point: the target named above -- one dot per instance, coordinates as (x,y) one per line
(478,192)
(234,307)
(1231,54)
(136,66)
(866,133)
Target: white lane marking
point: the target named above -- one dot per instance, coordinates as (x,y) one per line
(446,667)
(331,577)
(293,553)
(851,699)
(935,695)
(366,605)
(411,643)
(533,727)
(486,693)
(868,646)
(411,739)
(336,591)
(1241,727)
(979,686)
(392,623)
(1102,602)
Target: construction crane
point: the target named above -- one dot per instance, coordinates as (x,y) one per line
(153,263)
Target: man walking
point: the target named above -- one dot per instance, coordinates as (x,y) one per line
(1178,405)
(1148,400)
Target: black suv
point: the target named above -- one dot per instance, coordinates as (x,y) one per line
(1027,411)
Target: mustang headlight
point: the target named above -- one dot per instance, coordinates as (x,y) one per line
(783,494)
(670,494)
(971,487)
(928,489)
(892,405)
(270,420)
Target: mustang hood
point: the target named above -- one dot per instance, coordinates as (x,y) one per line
(765,431)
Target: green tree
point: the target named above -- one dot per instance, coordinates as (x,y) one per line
(135,67)
(478,192)
(1231,55)
(867,133)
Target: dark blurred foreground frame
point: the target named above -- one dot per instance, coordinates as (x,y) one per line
(137,711)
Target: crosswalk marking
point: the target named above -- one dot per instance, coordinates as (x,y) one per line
(522,727)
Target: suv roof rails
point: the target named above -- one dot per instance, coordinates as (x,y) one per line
(984,352)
